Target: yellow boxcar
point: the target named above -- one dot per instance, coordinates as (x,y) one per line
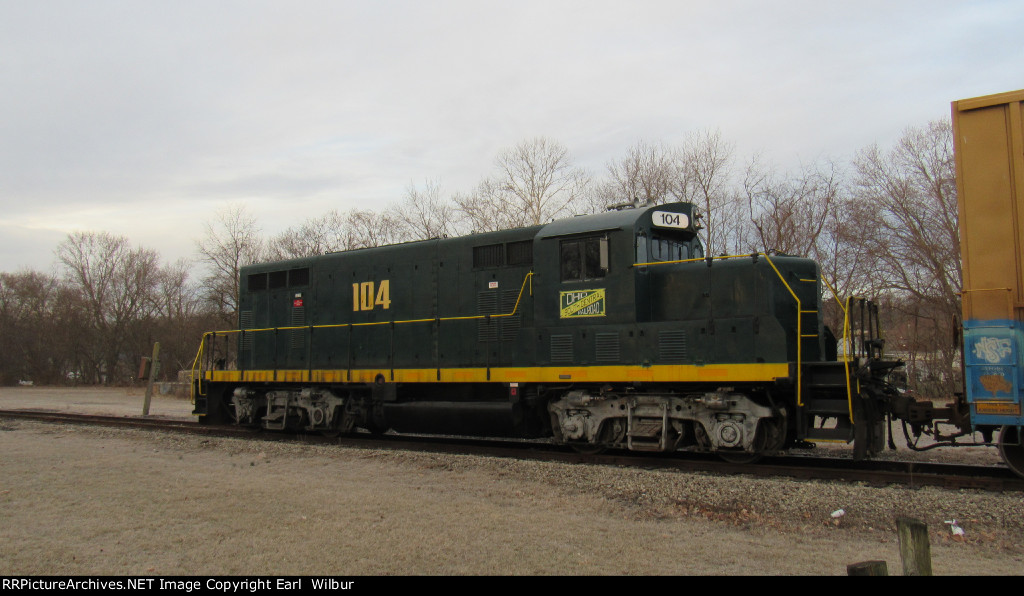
(988,137)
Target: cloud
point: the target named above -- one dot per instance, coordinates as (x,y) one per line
(119,111)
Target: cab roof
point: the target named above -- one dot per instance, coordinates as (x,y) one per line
(623,219)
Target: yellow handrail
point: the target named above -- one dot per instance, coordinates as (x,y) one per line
(799,333)
(846,343)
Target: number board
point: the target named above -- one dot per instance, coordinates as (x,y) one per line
(668,219)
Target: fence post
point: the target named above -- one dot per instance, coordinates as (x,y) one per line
(914,548)
(154,367)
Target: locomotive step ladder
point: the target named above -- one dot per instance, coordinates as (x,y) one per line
(822,410)
(646,433)
(826,399)
(276,419)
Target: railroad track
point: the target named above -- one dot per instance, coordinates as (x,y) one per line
(803,467)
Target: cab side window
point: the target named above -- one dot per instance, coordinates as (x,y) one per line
(584,258)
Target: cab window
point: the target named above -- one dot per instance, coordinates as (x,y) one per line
(584,258)
(669,249)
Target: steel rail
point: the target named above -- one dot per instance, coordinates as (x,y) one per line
(913,474)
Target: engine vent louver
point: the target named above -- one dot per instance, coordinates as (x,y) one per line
(245,319)
(509,325)
(487,304)
(672,346)
(246,356)
(607,347)
(561,348)
(298,336)
(505,327)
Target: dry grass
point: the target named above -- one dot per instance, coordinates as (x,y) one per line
(78,500)
(90,501)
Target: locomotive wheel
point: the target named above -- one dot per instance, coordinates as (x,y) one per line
(769,437)
(344,423)
(746,457)
(1011,449)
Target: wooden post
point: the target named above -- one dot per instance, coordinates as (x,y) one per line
(154,366)
(868,568)
(914,548)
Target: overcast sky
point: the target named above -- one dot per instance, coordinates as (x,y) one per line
(143,118)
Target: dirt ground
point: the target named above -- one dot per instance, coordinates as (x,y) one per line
(86,500)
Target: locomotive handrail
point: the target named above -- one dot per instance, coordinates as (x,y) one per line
(697,260)
(799,332)
(197,362)
(847,344)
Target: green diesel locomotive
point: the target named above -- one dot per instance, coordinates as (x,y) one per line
(607,330)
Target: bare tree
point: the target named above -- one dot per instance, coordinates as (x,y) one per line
(486,210)
(647,174)
(315,236)
(34,329)
(230,242)
(366,229)
(425,213)
(910,222)
(181,317)
(912,189)
(705,172)
(536,183)
(844,248)
(790,213)
(116,284)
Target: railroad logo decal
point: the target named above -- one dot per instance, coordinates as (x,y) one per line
(581,303)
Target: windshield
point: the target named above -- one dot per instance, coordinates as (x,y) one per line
(666,248)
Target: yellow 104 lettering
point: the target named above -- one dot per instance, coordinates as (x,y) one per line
(366,297)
